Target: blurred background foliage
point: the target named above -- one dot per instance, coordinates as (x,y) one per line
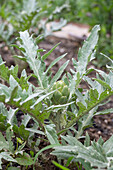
(99,12)
(19,15)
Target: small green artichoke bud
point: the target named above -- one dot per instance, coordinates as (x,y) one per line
(61,95)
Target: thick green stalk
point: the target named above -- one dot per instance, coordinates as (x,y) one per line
(58,117)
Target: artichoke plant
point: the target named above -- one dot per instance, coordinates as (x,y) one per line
(61,95)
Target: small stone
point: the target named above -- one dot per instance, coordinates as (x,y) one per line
(106,121)
(5,48)
(108,127)
(62,50)
(99,132)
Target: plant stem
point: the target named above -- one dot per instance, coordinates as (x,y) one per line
(58,117)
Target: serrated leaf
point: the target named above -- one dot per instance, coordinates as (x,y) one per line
(28,45)
(93,94)
(30,54)
(88,154)
(94,84)
(81,107)
(95,155)
(99,148)
(86,50)
(71,140)
(5,72)
(10,115)
(51,134)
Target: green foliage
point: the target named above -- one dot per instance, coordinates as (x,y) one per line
(29,15)
(99,12)
(6,31)
(8,152)
(37,103)
(98,154)
(64,9)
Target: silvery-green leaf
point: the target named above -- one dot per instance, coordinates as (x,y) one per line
(41,98)
(59,106)
(108,145)
(35,131)
(48,53)
(32,97)
(51,134)
(106,111)
(54,62)
(86,50)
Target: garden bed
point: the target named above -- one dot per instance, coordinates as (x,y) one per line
(102,125)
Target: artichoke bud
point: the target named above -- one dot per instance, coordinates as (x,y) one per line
(61,95)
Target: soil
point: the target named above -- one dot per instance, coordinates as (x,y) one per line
(103,125)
